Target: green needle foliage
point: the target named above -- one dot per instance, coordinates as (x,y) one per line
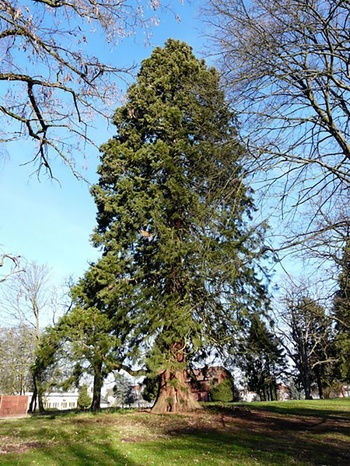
(341,312)
(84,400)
(173,214)
(224,391)
(261,358)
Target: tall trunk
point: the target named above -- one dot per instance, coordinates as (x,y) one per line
(98,382)
(307,384)
(319,381)
(32,404)
(305,368)
(174,394)
(38,394)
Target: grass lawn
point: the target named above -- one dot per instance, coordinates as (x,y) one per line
(279,433)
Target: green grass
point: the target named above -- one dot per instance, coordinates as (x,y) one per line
(276,434)
(333,408)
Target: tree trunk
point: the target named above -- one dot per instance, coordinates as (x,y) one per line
(98,382)
(40,398)
(32,404)
(307,384)
(37,395)
(319,381)
(305,369)
(174,394)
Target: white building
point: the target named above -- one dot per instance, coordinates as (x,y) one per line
(61,401)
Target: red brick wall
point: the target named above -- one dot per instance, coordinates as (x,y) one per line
(12,405)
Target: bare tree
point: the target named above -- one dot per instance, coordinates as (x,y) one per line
(306,335)
(26,300)
(25,297)
(51,83)
(286,63)
(17,349)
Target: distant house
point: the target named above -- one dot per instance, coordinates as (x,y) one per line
(65,400)
(61,401)
(247,395)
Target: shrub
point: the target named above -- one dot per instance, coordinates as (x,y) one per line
(84,400)
(222,391)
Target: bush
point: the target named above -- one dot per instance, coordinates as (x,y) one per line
(150,390)
(222,391)
(84,400)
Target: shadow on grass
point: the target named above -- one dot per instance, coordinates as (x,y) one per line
(72,455)
(283,449)
(284,408)
(316,437)
(53,413)
(54,446)
(234,435)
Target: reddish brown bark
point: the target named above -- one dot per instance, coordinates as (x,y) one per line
(174,394)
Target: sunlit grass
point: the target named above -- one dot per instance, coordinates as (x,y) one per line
(332,407)
(284,433)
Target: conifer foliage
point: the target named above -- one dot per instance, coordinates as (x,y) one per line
(172,221)
(341,312)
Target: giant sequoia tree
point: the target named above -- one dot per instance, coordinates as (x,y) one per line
(173,213)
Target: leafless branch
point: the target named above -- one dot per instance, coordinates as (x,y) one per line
(13,270)
(286,66)
(51,84)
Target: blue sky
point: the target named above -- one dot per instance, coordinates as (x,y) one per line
(50,222)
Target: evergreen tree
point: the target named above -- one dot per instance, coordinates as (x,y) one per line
(341,312)
(84,400)
(222,391)
(261,359)
(44,370)
(308,343)
(123,391)
(172,220)
(90,336)
(150,389)
(90,330)
(89,341)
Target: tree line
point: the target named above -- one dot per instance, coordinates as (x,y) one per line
(306,347)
